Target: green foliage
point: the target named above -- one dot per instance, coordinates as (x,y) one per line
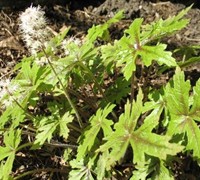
(85,94)
(11,140)
(48,126)
(184,113)
(154,166)
(98,122)
(133,47)
(160,28)
(81,171)
(142,140)
(101,31)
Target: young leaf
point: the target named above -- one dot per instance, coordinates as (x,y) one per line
(48,125)
(16,115)
(142,140)
(161,28)
(128,46)
(46,131)
(80,171)
(134,31)
(182,116)
(101,31)
(195,110)
(64,130)
(101,166)
(98,122)
(153,166)
(157,53)
(11,140)
(132,47)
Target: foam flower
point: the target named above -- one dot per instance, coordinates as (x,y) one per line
(70,45)
(33,26)
(7,89)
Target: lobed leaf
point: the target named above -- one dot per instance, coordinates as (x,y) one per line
(49,125)
(80,171)
(142,140)
(152,144)
(63,122)
(101,31)
(182,113)
(157,53)
(195,109)
(98,122)
(12,139)
(178,95)
(161,28)
(46,132)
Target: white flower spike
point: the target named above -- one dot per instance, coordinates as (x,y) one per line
(34,29)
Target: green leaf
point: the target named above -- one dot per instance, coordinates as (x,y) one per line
(4,152)
(142,140)
(80,171)
(46,131)
(7,167)
(58,39)
(189,62)
(127,48)
(101,31)
(98,122)
(101,166)
(161,28)
(130,65)
(132,47)
(182,113)
(152,120)
(152,144)
(12,139)
(49,125)
(134,31)
(157,53)
(195,110)
(31,74)
(14,115)
(154,168)
(193,135)
(141,172)
(64,130)
(178,95)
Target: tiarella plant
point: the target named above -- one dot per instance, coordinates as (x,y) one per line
(85,94)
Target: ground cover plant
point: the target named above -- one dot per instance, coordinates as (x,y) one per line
(85,96)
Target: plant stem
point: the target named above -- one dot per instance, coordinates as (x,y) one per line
(61,145)
(27,127)
(132,86)
(65,91)
(24,145)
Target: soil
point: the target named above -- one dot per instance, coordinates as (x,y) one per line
(81,15)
